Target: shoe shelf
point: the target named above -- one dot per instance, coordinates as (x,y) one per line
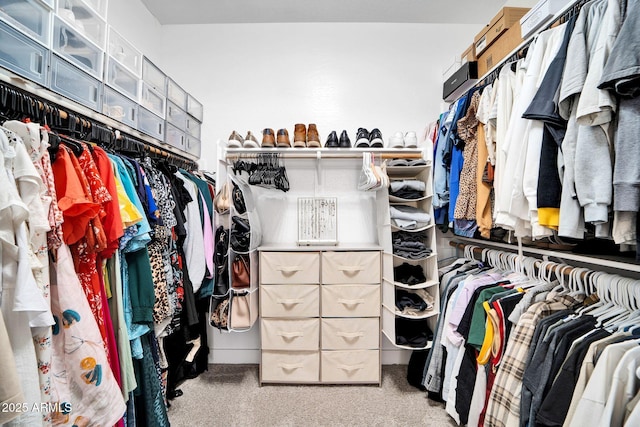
(400,328)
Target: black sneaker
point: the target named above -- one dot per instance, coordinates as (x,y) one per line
(345,142)
(332,140)
(362,138)
(375,138)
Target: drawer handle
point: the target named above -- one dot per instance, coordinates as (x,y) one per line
(290,366)
(351,301)
(289,269)
(290,335)
(350,334)
(350,268)
(289,302)
(350,368)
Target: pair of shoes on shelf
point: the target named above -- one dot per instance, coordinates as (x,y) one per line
(270,139)
(237,141)
(334,142)
(303,137)
(365,139)
(408,140)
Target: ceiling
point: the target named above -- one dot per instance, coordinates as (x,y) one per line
(275,11)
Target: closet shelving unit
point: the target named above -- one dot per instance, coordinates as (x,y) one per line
(429,264)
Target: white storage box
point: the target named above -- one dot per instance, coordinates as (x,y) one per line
(153,77)
(174,137)
(152,100)
(193,146)
(23,55)
(150,124)
(193,127)
(120,107)
(74,83)
(99,6)
(84,20)
(120,78)
(176,94)
(29,16)
(75,48)
(539,15)
(194,107)
(125,53)
(176,115)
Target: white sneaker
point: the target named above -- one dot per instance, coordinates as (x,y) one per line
(396,141)
(235,140)
(410,140)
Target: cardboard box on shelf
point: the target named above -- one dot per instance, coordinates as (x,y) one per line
(499,49)
(469,55)
(504,20)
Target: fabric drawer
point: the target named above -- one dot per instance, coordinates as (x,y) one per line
(351,301)
(350,334)
(350,366)
(290,334)
(289,267)
(350,267)
(290,301)
(290,367)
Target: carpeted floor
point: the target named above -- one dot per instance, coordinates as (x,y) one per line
(229,395)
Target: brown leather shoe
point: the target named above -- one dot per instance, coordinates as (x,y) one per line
(300,136)
(283,139)
(313,139)
(268,138)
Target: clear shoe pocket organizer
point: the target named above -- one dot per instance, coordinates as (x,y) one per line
(243,311)
(246,231)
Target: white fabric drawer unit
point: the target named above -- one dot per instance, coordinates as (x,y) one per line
(350,267)
(350,366)
(290,267)
(290,367)
(290,334)
(350,301)
(350,334)
(290,300)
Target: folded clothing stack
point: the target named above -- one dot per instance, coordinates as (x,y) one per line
(409,274)
(414,301)
(408,217)
(407,189)
(413,332)
(409,248)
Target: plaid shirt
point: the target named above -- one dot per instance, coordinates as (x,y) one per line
(504,402)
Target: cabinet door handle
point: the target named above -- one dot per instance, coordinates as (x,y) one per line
(351,301)
(290,366)
(350,334)
(290,335)
(290,301)
(350,368)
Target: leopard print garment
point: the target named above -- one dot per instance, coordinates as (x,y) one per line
(467,130)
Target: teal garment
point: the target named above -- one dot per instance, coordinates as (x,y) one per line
(141,286)
(150,408)
(479,317)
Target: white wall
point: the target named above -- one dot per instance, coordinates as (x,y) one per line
(135,23)
(339,76)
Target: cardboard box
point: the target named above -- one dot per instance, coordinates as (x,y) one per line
(499,49)
(460,82)
(504,20)
(469,55)
(539,15)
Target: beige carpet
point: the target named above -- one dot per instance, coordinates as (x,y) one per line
(229,395)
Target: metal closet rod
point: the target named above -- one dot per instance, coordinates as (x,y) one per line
(566,271)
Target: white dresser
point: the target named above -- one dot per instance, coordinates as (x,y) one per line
(320,315)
